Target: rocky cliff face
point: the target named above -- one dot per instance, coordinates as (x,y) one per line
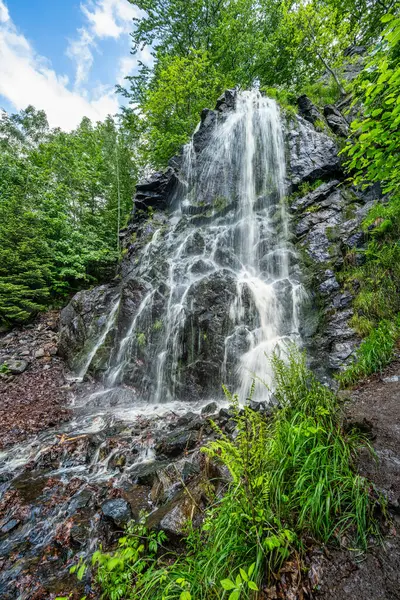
(180,214)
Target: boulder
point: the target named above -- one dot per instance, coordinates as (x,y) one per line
(312,154)
(155,192)
(15,366)
(336,120)
(117,510)
(308,110)
(209,409)
(176,443)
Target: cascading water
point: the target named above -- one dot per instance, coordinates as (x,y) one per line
(228,248)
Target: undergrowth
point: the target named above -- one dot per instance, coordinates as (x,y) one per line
(292,479)
(374,354)
(373,277)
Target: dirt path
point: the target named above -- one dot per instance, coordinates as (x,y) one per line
(375,406)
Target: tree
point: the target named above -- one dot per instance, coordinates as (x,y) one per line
(374,150)
(63,199)
(183,86)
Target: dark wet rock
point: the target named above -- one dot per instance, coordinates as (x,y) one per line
(186,419)
(176,443)
(146,473)
(312,155)
(117,510)
(336,120)
(173,516)
(82,321)
(156,191)
(356,240)
(202,136)
(80,500)
(227,100)
(9,526)
(308,110)
(329,286)
(209,409)
(225,413)
(340,352)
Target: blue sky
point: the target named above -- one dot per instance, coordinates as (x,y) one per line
(65,56)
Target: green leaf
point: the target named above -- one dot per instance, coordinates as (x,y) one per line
(234,595)
(185,595)
(250,570)
(244,574)
(81,572)
(227,584)
(252,586)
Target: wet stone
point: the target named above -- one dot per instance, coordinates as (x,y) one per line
(176,443)
(186,419)
(10,526)
(146,473)
(209,409)
(117,510)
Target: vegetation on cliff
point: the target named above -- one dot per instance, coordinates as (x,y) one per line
(373,156)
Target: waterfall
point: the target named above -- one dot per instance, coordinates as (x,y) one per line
(221,280)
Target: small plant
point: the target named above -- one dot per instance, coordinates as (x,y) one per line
(4,369)
(141,339)
(374,353)
(323,92)
(242,580)
(157,325)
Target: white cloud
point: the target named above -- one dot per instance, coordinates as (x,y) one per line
(4,14)
(27,78)
(104,19)
(128,64)
(110,18)
(80,51)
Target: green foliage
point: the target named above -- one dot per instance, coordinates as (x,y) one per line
(292,476)
(374,152)
(203,46)
(285,98)
(182,87)
(373,155)
(374,353)
(141,339)
(323,92)
(4,369)
(117,571)
(63,197)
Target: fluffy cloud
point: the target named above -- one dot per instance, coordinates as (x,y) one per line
(110,18)
(80,51)
(104,19)
(27,78)
(128,64)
